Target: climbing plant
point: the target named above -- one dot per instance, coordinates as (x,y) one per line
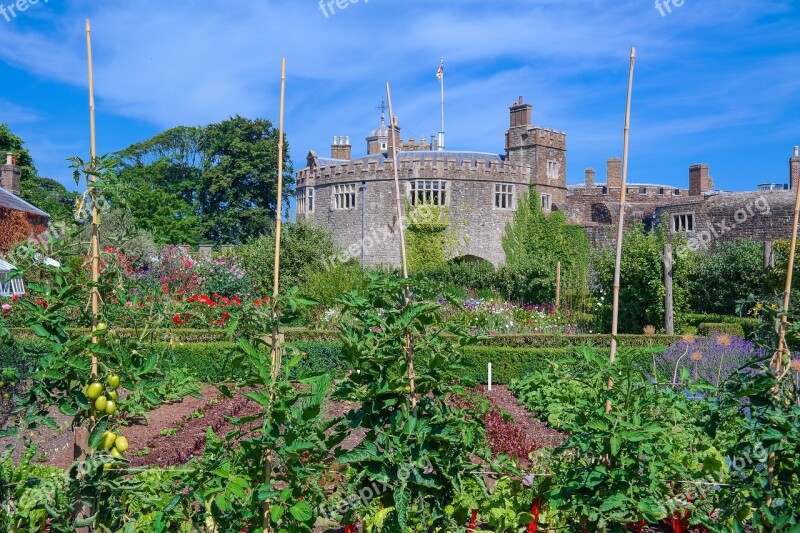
(534,242)
(430,237)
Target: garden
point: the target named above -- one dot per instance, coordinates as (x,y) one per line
(356,400)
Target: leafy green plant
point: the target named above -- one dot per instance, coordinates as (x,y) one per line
(417,446)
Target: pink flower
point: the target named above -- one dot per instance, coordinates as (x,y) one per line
(6,308)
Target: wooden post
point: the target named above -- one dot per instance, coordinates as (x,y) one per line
(558,286)
(669,311)
(769,257)
(782,351)
(409,345)
(621,224)
(277,338)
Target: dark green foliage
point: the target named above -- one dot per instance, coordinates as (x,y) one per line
(461,274)
(724,275)
(776,278)
(705,329)
(216,183)
(642,282)
(533,243)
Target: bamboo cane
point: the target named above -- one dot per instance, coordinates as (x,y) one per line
(409,344)
(783,349)
(80,433)
(275,352)
(621,225)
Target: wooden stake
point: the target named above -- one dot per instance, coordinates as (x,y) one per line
(275,351)
(783,348)
(80,433)
(558,286)
(621,224)
(409,345)
(398,198)
(277,338)
(669,313)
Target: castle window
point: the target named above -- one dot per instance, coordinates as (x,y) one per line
(547,203)
(383,146)
(431,192)
(676,192)
(305,200)
(552,170)
(503,196)
(642,191)
(683,222)
(344,196)
(661,191)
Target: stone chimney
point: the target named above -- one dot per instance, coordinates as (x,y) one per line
(341,148)
(699,180)
(614,173)
(794,166)
(520,113)
(589,178)
(10,174)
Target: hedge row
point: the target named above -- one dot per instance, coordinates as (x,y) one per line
(209,362)
(305,336)
(749,325)
(708,329)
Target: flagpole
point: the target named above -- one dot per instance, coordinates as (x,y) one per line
(441,79)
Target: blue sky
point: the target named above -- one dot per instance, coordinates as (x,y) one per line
(716,82)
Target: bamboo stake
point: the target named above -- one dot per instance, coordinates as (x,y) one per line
(276,358)
(783,348)
(621,225)
(275,350)
(558,286)
(80,433)
(409,346)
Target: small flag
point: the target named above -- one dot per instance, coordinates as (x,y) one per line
(440,73)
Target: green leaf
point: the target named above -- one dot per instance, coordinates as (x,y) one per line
(97,433)
(301,511)
(276,513)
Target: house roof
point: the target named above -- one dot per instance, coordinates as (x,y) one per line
(15,203)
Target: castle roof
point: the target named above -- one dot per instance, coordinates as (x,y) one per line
(15,203)
(418,155)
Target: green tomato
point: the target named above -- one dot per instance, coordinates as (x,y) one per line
(108,440)
(121,444)
(94,391)
(111,408)
(116,453)
(113,381)
(101,403)
(102,326)
(113,395)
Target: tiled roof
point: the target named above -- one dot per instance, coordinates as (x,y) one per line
(16,203)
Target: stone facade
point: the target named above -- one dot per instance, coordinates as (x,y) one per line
(355,198)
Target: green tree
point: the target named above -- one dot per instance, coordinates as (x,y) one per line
(239,186)
(45,193)
(726,274)
(216,183)
(641,296)
(534,243)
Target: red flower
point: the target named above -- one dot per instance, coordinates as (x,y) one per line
(14,298)
(177,320)
(236,300)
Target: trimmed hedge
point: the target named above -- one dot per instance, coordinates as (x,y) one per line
(314,336)
(749,325)
(710,328)
(210,362)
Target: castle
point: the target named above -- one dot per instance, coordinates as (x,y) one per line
(354,198)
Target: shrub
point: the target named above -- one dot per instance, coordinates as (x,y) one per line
(724,275)
(749,325)
(709,328)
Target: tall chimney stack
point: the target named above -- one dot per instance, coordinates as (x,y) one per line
(794,169)
(614,173)
(699,180)
(10,175)
(520,113)
(341,148)
(589,178)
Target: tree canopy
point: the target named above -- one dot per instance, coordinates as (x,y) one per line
(216,183)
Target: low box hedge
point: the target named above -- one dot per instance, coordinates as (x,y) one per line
(707,329)
(210,361)
(749,325)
